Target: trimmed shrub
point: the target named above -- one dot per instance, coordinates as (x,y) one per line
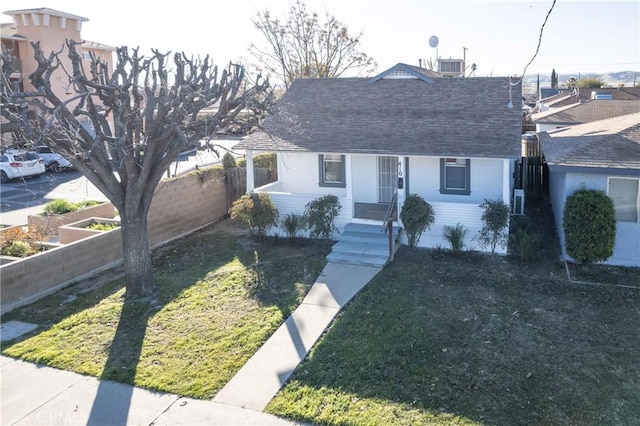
(455,235)
(495,219)
(228,161)
(257,212)
(417,216)
(589,223)
(320,215)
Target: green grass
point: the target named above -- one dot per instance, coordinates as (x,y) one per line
(475,339)
(221,296)
(433,339)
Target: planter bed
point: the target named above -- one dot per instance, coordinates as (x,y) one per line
(50,224)
(78,230)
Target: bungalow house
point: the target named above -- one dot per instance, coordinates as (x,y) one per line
(453,141)
(603,155)
(579,113)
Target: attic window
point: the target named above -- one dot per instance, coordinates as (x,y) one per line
(455,176)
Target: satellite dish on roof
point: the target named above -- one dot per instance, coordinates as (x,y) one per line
(433,41)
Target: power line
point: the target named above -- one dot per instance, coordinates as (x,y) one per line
(539,38)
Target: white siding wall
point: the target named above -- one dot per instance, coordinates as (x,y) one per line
(626,251)
(299,174)
(486,183)
(298,184)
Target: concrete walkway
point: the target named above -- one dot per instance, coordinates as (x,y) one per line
(35,395)
(265,373)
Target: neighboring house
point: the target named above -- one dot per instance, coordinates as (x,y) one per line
(454,141)
(602,155)
(51,28)
(558,101)
(615,93)
(579,113)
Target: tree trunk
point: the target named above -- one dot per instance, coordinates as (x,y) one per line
(137,254)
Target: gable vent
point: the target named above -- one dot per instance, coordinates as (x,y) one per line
(398,74)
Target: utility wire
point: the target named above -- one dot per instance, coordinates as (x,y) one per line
(539,41)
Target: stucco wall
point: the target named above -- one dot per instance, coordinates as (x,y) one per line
(180,205)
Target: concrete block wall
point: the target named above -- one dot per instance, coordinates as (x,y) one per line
(188,202)
(180,205)
(50,224)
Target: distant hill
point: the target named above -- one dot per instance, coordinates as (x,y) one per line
(613,79)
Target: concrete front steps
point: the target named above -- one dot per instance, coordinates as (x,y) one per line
(362,244)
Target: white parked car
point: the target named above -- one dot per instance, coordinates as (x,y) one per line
(53,161)
(17,163)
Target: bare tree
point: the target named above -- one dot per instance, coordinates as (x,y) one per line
(303,47)
(123,129)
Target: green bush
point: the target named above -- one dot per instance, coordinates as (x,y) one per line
(320,215)
(228,161)
(495,219)
(61,206)
(455,235)
(103,226)
(257,212)
(266,160)
(417,216)
(293,223)
(589,224)
(521,239)
(19,249)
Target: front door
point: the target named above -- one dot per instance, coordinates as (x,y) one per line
(387,178)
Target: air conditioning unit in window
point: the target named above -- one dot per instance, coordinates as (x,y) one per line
(451,67)
(518,201)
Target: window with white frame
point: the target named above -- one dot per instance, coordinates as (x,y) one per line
(332,170)
(625,193)
(455,176)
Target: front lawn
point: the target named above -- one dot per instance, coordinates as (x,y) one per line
(221,296)
(433,339)
(476,339)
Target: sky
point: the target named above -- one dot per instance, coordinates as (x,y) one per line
(500,37)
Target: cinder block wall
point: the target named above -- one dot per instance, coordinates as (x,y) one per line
(185,203)
(180,205)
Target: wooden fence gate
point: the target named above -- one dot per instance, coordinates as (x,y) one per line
(237,181)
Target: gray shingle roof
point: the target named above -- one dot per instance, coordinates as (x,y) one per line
(594,110)
(612,143)
(449,116)
(617,93)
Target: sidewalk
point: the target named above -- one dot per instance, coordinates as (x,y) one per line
(33,394)
(36,395)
